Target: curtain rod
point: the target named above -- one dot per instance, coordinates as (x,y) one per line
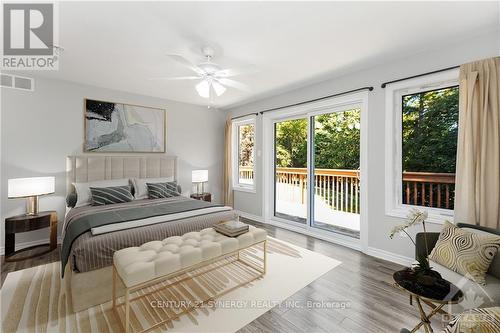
(419,75)
(245,115)
(317,99)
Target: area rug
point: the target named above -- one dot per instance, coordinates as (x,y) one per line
(33,301)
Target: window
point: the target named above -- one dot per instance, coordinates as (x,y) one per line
(244,155)
(422,145)
(430,130)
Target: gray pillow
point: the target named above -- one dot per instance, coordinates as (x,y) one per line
(71,200)
(162,190)
(110,195)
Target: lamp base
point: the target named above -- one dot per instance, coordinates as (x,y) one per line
(32,205)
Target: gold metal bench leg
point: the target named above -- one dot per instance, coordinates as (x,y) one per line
(127,310)
(114,286)
(265,256)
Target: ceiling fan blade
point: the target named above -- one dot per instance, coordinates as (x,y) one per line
(210,94)
(186,63)
(233,84)
(231,72)
(166,78)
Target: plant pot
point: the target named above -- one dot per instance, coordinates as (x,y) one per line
(427,280)
(427,277)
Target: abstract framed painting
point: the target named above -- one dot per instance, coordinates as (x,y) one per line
(123,128)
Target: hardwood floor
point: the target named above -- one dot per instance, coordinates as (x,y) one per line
(361,282)
(47,258)
(356,296)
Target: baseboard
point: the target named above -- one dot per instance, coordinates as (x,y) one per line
(371,251)
(389,256)
(249,216)
(332,239)
(20,246)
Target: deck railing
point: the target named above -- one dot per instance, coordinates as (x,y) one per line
(340,189)
(429,189)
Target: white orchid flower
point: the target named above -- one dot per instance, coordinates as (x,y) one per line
(416,216)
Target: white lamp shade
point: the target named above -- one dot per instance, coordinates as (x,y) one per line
(27,187)
(200,176)
(203,89)
(219,88)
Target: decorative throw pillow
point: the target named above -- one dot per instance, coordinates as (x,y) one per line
(482,320)
(141,189)
(110,195)
(162,190)
(71,200)
(83,189)
(465,252)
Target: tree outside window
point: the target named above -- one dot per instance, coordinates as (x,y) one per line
(246,146)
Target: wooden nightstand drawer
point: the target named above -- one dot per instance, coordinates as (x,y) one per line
(25,223)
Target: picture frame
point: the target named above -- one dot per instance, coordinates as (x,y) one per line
(114,127)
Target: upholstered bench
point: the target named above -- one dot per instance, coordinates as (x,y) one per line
(157,261)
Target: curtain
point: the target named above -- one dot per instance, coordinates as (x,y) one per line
(227,181)
(477,189)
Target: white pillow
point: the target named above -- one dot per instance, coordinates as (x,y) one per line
(141,189)
(83,189)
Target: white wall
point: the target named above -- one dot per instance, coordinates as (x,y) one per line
(483,46)
(39,129)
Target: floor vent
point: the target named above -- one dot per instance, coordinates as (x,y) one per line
(17,82)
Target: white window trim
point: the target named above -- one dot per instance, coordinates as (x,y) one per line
(393,142)
(235,155)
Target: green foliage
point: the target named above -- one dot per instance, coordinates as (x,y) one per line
(430,129)
(247,142)
(291,143)
(336,141)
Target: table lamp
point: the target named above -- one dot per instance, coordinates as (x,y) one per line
(199,177)
(30,188)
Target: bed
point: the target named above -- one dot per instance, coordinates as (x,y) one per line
(91,234)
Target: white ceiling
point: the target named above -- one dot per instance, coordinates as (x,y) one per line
(119,45)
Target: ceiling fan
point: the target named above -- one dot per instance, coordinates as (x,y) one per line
(214,79)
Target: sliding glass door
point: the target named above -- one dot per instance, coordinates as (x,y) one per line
(336,148)
(316,170)
(290,170)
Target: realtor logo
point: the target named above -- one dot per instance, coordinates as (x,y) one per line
(28,36)
(28,29)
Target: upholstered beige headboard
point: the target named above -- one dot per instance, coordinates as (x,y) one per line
(86,168)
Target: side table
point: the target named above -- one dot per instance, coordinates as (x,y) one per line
(436,295)
(25,223)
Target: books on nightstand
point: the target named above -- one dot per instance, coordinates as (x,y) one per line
(231,228)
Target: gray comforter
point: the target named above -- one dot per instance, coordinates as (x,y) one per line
(87,252)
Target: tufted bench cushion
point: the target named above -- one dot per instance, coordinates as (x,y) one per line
(155,259)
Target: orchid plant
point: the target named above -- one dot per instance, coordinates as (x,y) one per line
(414,217)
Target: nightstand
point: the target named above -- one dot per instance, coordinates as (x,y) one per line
(25,223)
(202,196)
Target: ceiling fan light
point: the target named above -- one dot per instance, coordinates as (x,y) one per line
(209,67)
(219,88)
(203,89)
